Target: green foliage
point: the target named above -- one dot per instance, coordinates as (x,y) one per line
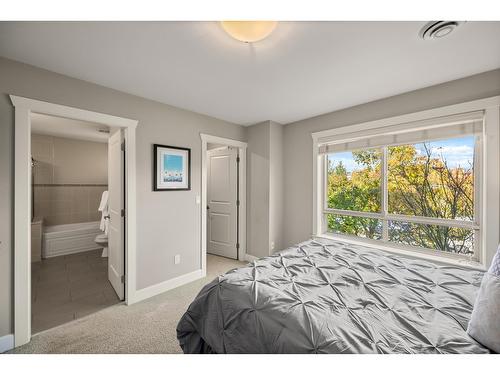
(424,185)
(359,191)
(357,226)
(419,184)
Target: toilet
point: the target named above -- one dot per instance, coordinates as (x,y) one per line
(102,241)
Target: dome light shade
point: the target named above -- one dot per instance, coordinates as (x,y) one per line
(249,31)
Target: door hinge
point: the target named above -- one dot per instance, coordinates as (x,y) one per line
(123,212)
(237,159)
(238,202)
(123,279)
(123,146)
(237,246)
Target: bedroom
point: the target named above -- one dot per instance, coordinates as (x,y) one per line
(259,177)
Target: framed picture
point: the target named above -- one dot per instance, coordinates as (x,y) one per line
(172,168)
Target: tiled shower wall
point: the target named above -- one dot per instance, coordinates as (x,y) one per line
(69,178)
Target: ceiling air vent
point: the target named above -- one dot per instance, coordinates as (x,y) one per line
(438,29)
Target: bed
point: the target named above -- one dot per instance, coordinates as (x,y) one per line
(325,296)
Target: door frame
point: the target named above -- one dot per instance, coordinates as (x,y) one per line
(22,201)
(234,152)
(242,229)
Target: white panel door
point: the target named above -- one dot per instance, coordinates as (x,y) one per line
(222,193)
(116,253)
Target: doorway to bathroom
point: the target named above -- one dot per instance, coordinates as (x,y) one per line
(70,228)
(77,201)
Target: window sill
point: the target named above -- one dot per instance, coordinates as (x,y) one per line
(411,254)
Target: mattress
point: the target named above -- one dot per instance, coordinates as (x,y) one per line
(325,296)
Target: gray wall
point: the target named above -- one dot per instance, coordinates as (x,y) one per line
(6,214)
(68,161)
(265,188)
(298,142)
(258,189)
(168,223)
(276,176)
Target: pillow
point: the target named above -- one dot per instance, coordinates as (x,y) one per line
(495,264)
(484,324)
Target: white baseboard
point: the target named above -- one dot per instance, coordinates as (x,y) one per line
(6,343)
(165,286)
(250,258)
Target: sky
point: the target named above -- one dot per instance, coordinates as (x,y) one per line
(457,152)
(172,163)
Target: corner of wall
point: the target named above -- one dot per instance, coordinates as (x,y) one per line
(265,192)
(276,177)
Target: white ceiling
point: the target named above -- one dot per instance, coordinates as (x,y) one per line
(303,69)
(68,128)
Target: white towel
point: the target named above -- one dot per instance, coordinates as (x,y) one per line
(104,201)
(103,207)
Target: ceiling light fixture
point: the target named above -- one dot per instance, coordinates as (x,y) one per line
(249,31)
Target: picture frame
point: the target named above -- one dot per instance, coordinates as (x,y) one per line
(171,168)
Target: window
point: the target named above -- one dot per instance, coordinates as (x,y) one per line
(420,194)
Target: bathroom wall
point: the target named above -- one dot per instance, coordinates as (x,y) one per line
(62,166)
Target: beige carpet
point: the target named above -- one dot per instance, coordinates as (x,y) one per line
(145,327)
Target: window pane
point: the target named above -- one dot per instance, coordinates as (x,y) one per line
(354,181)
(432,179)
(451,240)
(356,226)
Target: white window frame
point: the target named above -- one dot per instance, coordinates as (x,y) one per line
(384,216)
(487,177)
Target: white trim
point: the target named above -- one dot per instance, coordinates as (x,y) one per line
(407,253)
(385,194)
(317,228)
(222,141)
(475,105)
(490,170)
(217,148)
(22,222)
(6,343)
(22,187)
(491,184)
(130,217)
(242,153)
(407,218)
(167,285)
(47,108)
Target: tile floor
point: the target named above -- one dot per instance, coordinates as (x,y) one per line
(68,287)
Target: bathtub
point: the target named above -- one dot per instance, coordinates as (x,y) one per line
(69,238)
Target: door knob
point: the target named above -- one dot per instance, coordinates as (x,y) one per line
(107,217)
